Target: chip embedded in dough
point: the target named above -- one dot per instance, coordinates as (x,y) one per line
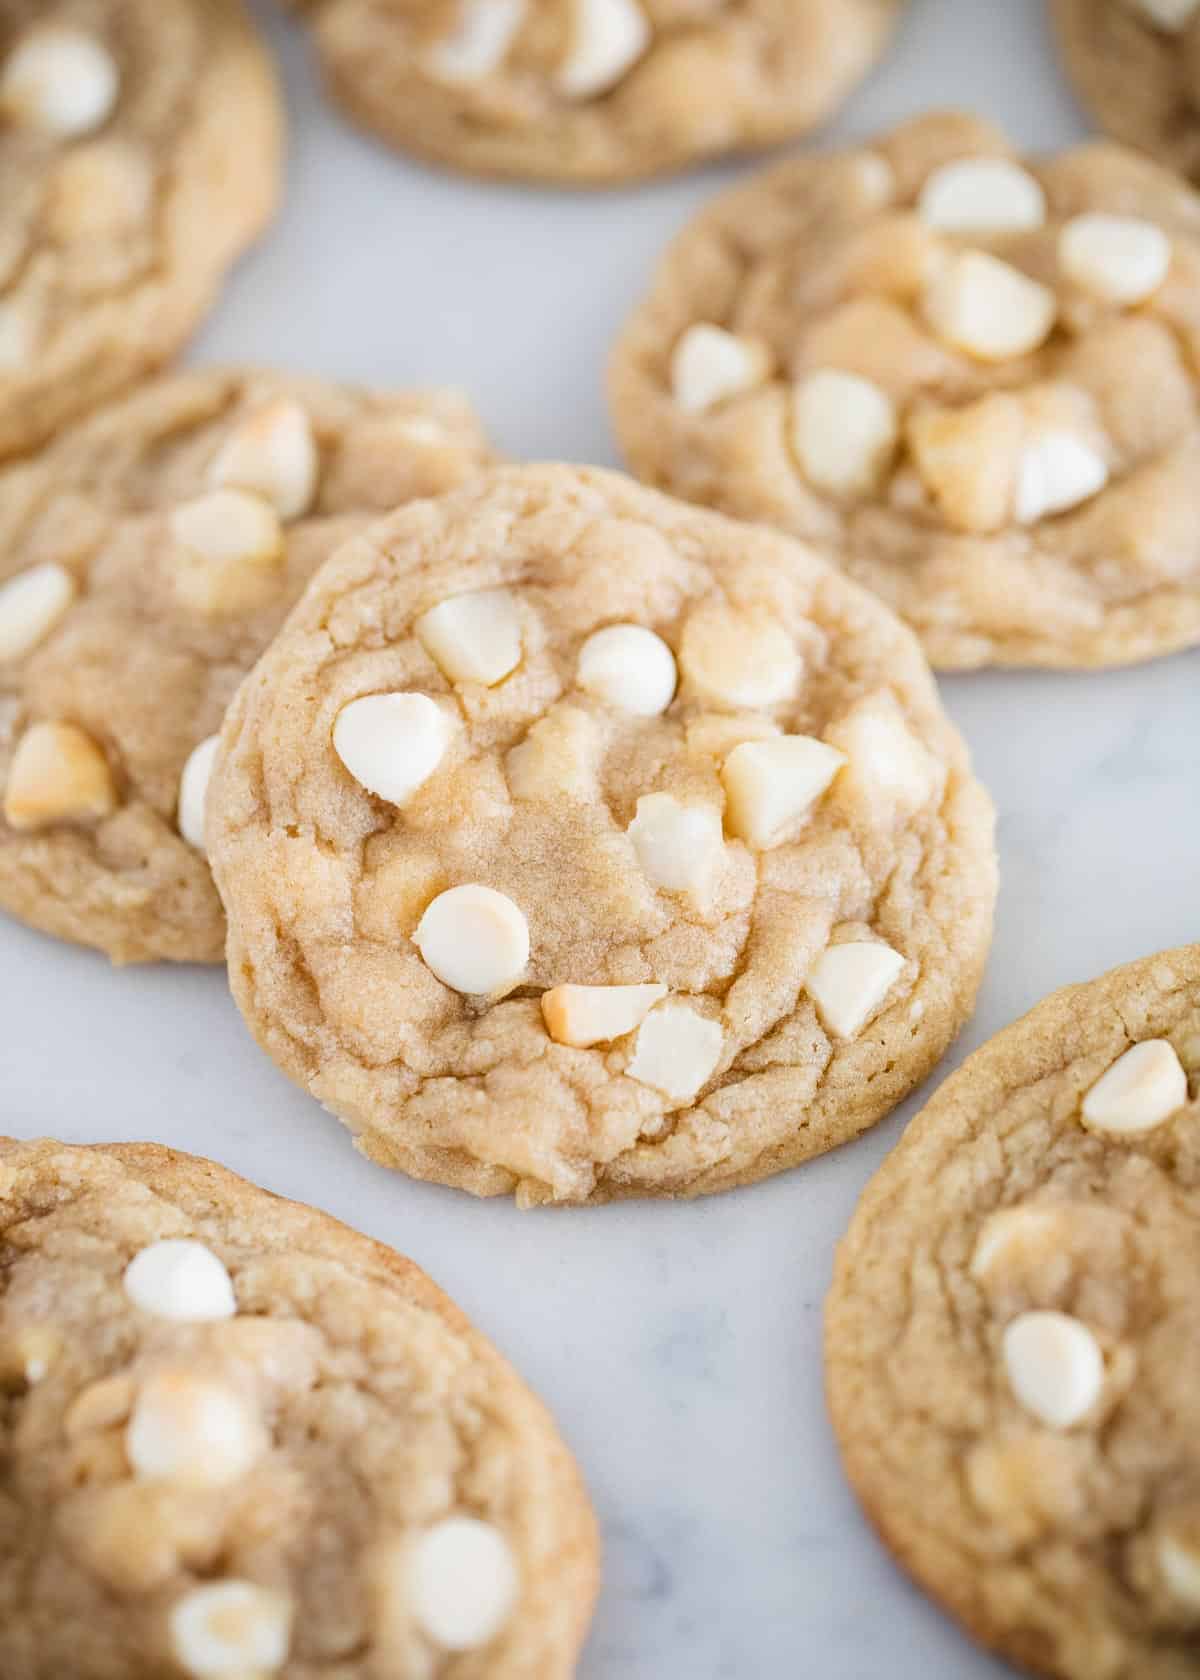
(974,377)
(1010,1337)
(583,959)
(237,1432)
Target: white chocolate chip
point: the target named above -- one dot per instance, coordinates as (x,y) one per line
(1141,1089)
(1056,471)
(58,774)
(710,365)
(475,940)
(1180,1567)
(982,195)
(676,1051)
(273,453)
(193,790)
(18,333)
(844,432)
(191,1429)
(1006,1233)
(771,786)
(392,743)
(1171,15)
(584,1015)
(678,846)
(607,39)
(31,604)
(849,982)
(229,526)
(1121,259)
(473,638)
(988,308)
(739,660)
(180,1279)
(888,771)
(1054,1366)
(461,1583)
(486,30)
(61,80)
(629,667)
(231,1630)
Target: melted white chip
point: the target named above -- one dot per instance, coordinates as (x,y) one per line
(180,1279)
(982,195)
(1171,15)
(229,527)
(629,667)
(1141,1089)
(1054,1365)
(607,39)
(18,333)
(230,1630)
(772,785)
(392,743)
(710,365)
(31,604)
(676,1051)
(678,846)
(189,1428)
(1006,1233)
(486,30)
(462,1583)
(585,1015)
(744,661)
(849,982)
(193,790)
(1121,259)
(844,431)
(61,80)
(473,638)
(274,453)
(475,940)
(988,308)
(1180,1567)
(57,774)
(1055,472)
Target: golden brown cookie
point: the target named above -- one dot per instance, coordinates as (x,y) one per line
(1136,66)
(146,559)
(593,91)
(1013,1334)
(241,1439)
(974,377)
(577,843)
(140,154)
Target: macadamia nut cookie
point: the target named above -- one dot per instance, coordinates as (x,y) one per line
(146,559)
(140,154)
(973,377)
(242,1440)
(578,843)
(1136,66)
(593,90)
(1013,1335)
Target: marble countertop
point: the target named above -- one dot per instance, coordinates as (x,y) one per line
(679,1346)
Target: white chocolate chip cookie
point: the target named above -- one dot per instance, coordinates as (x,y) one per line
(146,559)
(543,824)
(593,91)
(1012,1347)
(242,1440)
(140,154)
(975,378)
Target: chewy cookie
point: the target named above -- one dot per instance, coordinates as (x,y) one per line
(578,843)
(593,90)
(1136,66)
(973,377)
(242,1440)
(1013,1335)
(140,154)
(146,559)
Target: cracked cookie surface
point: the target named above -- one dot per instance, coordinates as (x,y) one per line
(240,1438)
(578,843)
(146,559)
(1011,1337)
(593,90)
(973,377)
(140,150)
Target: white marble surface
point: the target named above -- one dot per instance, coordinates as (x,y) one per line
(678,1345)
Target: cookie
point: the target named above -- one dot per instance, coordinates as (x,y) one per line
(240,1438)
(1136,66)
(579,844)
(972,377)
(1012,1336)
(593,91)
(146,559)
(140,153)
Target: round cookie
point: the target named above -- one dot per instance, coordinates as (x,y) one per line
(1136,66)
(973,378)
(577,843)
(146,559)
(593,91)
(1012,1335)
(140,150)
(242,1439)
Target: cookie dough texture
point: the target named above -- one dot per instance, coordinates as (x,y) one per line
(576,842)
(593,91)
(140,147)
(360,1410)
(1071,1549)
(154,637)
(1030,497)
(1136,66)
